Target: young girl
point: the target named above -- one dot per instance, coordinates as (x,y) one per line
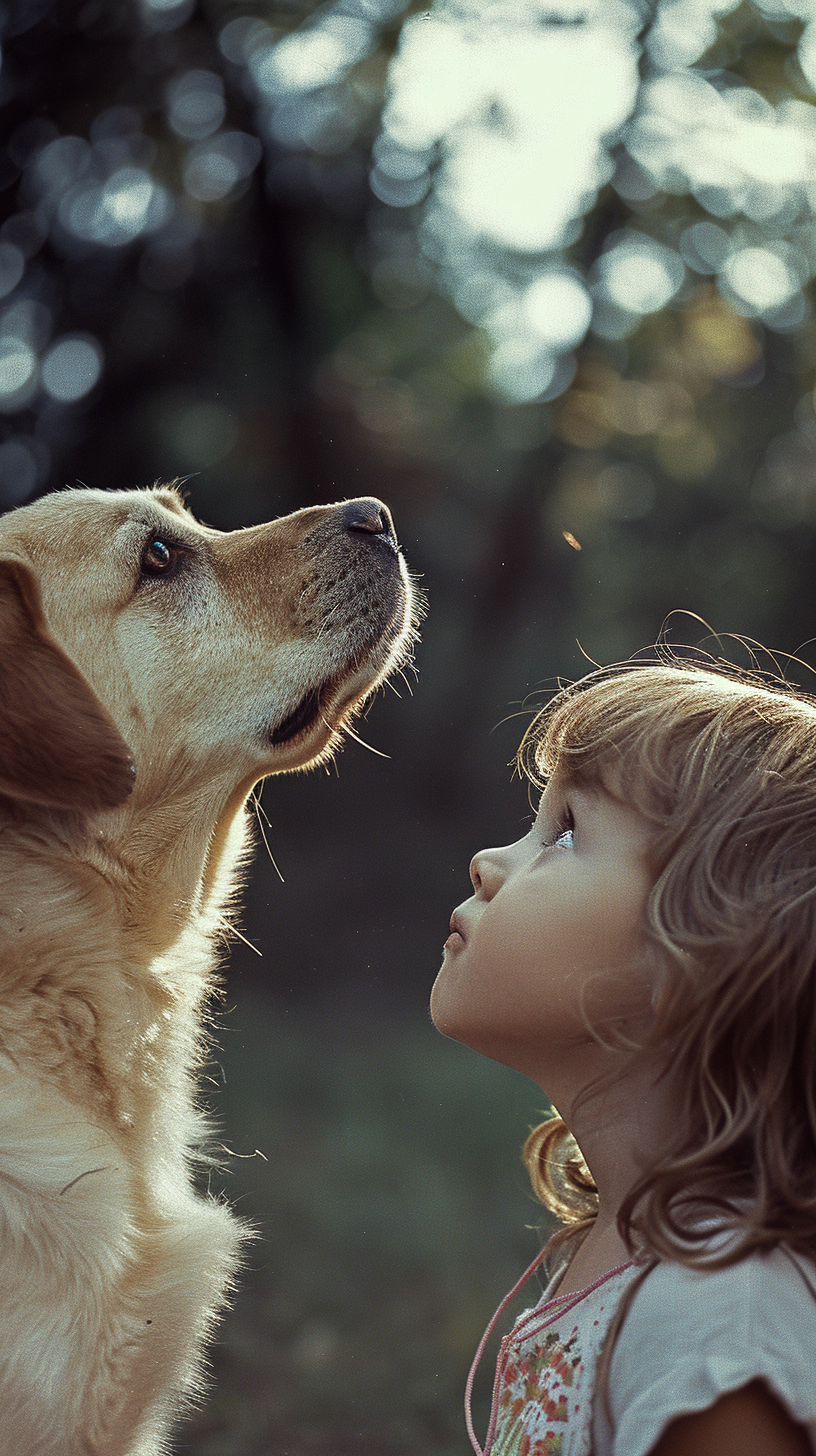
(647,955)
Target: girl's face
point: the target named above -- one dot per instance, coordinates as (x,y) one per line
(553,930)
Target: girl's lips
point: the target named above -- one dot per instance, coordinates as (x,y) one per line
(456,939)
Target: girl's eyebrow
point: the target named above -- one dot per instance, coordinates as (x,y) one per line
(561,800)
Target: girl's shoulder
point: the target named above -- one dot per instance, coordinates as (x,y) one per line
(690,1336)
(751,1297)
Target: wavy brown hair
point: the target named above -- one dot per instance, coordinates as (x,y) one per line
(722,765)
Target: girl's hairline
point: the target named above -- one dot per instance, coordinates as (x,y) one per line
(593,773)
(572,775)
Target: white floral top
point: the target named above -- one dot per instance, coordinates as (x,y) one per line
(542,1394)
(688,1338)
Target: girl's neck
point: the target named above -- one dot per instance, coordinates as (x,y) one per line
(599,1252)
(620,1130)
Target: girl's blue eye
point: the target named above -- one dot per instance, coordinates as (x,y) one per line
(563,839)
(561,835)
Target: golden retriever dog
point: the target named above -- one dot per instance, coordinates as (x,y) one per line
(152,670)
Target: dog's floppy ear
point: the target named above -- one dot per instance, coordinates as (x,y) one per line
(58,746)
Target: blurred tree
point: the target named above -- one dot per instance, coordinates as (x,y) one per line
(551,262)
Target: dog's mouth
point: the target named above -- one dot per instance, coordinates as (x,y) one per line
(302,717)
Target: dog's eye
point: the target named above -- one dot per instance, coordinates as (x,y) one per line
(159,557)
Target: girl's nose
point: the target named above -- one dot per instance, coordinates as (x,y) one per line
(485,873)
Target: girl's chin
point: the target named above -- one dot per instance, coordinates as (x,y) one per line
(443,1014)
(437,1013)
(455,1021)
(456,1012)
(449,1019)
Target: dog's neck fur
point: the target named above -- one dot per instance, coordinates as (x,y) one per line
(145,947)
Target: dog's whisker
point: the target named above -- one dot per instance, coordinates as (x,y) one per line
(361,741)
(233,930)
(258,811)
(326,620)
(231,1153)
(260,808)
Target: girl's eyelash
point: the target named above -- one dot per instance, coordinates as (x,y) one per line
(565,827)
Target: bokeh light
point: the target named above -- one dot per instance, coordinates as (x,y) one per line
(18,364)
(638,274)
(196,105)
(510,164)
(314,57)
(215,168)
(116,211)
(71,368)
(164,15)
(94,193)
(502,166)
(761,280)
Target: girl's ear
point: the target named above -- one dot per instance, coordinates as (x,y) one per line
(59,748)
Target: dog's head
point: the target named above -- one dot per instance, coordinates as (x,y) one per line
(137,644)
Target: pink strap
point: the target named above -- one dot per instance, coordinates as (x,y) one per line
(483,1341)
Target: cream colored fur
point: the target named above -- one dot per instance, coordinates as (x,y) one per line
(136,714)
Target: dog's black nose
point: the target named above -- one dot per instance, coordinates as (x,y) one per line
(369,515)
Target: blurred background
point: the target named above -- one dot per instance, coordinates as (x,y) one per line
(539,274)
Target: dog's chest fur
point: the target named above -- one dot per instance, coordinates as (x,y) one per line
(99,1136)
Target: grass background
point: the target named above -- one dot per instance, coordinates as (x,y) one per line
(394,1212)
